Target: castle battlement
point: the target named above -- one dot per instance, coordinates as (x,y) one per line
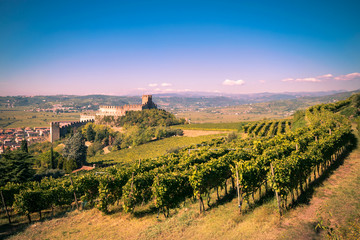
(118,111)
(59,129)
(126,106)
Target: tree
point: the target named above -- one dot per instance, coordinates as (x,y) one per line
(49,160)
(52,165)
(94,148)
(90,133)
(15,166)
(75,152)
(102,135)
(24,146)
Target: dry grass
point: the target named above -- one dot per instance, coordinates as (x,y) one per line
(197,133)
(220,222)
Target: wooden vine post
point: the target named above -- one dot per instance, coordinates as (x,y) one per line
(131,191)
(76,201)
(238,188)
(276,193)
(132,183)
(5,207)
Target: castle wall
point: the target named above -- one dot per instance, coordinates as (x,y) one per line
(118,111)
(60,129)
(54,131)
(84,117)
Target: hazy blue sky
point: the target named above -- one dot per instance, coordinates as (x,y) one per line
(126,47)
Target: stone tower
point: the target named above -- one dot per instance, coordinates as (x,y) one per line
(54,131)
(147,102)
(146,99)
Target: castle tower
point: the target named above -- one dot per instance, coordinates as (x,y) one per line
(146,99)
(54,131)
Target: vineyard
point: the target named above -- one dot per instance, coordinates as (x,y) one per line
(281,161)
(267,128)
(151,150)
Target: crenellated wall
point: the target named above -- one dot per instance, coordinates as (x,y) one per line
(87,117)
(147,103)
(118,111)
(60,129)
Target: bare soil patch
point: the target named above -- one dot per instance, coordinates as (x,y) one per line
(197,133)
(106,150)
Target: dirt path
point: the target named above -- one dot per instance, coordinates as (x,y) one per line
(106,150)
(301,221)
(197,133)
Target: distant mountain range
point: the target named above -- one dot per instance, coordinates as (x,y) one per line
(283,95)
(171,101)
(194,101)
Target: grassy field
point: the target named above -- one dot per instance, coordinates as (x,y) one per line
(206,117)
(20,117)
(151,149)
(257,111)
(246,112)
(250,112)
(229,126)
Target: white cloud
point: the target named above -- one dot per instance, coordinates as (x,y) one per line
(167,90)
(166,84)
(326,76)
(153,84)
(262,81)
(311,79)
(348,77)
(301,80)
(322,78)
(288,80)
(229,82)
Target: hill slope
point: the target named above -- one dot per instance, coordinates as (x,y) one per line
(323,203)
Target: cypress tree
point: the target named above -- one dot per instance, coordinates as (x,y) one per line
(24,146)
(75,152)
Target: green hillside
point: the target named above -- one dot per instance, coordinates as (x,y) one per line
(286,186)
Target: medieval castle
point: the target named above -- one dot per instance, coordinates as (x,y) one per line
(117,111)
(59,129)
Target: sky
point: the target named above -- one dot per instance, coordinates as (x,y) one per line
(147,47)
